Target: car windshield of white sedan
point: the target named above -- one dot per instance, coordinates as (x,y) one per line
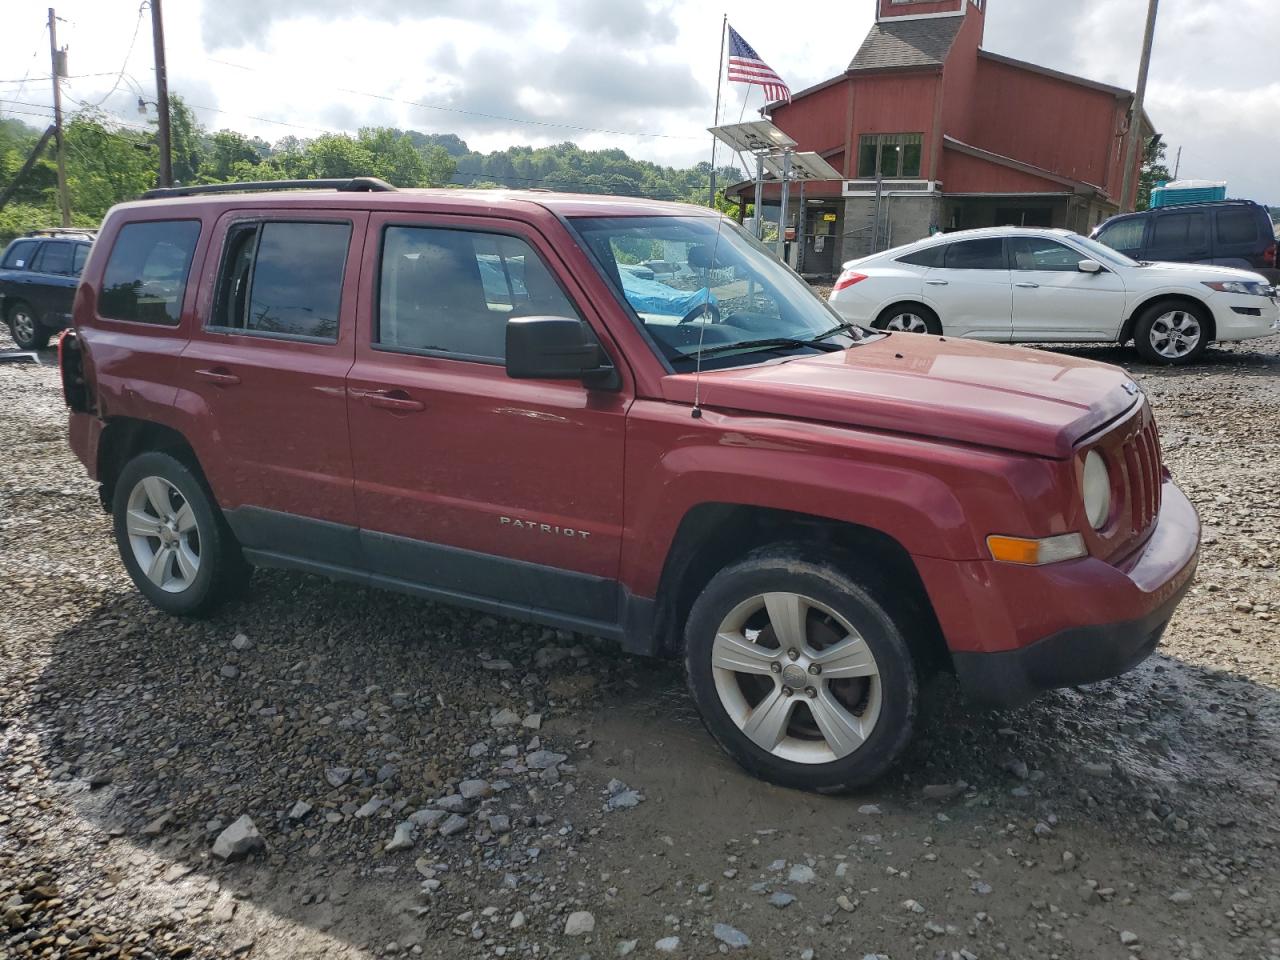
(1100,251)
(716,290)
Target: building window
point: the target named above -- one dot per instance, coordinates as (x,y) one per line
(894,156)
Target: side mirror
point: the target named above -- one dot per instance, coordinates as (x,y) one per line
(556,348)
(1090,266)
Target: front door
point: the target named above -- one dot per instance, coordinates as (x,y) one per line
(266,369)
(1054,300)
(470,484)
(972,291)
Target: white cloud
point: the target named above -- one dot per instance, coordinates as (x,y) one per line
(639,67)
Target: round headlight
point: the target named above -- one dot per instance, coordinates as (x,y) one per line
(1097,490)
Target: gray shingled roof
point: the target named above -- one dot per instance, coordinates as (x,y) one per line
(907,43)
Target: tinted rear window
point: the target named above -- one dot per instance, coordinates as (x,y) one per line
(19,254)
(976,255)
(928,257)
(54,257)
(1178,230)
(146,275)
(283,278)
(1237,226)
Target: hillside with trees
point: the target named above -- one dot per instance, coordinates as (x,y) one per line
(108,163)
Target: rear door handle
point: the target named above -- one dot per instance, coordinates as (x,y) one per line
(219,377)
(937,283)
(1028,286)
(396,400)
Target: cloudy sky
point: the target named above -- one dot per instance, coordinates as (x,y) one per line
(635,74)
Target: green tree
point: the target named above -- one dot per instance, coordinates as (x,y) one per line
(228,151)
(186,141)
(104,166)
(1154,171)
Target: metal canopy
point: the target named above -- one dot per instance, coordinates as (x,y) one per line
(758,136)
(804,166)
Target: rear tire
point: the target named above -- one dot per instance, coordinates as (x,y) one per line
(909,318)
(1172,333)
(173,539)
(799,672)
(24,327)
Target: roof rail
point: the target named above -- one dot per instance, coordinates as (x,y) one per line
(350,185)
(62,232)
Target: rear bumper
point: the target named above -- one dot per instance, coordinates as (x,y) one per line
(1015,632)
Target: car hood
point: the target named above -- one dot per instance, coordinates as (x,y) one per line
(1010,398)
(1196,272)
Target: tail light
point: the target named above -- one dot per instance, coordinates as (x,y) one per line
(1269,257)
(849,278)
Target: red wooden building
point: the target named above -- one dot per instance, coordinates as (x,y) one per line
(960,137)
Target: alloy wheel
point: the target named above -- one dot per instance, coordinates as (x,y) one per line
(1175,334)
(163,534)
(796,678)
(907,323)
(24,325)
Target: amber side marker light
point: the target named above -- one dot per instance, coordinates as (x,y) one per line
(1036,553)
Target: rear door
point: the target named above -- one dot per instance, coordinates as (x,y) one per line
(1237,237)
(469,483)
(1180,237)
(265,375)
(1054,300)
(53,283)
(972,292)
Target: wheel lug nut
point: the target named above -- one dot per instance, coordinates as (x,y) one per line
(810,692)
(814,669)
(788,692)
(775,667)
(793,654)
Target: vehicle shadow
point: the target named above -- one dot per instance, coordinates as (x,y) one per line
(1253,358)
(157,745)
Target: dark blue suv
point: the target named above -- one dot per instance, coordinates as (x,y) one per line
(38,278)
(1226,233)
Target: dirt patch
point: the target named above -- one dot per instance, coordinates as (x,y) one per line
(1133,818)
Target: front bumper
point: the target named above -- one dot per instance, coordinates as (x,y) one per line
(1245,318)
(1015,632)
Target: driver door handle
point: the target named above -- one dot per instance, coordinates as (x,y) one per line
(938,283)
(1028,285)
(396,400)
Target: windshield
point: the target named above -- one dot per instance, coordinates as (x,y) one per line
(1104,253)
(721,293)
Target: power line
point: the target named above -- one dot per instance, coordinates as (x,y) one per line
(128,53)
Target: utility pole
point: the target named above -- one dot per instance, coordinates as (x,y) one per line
(59,63)
(162,97)
(1177,164)
(1129,192)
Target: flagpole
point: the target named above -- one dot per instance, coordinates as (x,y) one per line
(724,30)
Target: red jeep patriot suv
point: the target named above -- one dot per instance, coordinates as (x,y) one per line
(485,398)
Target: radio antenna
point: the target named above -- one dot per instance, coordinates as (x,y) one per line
(715,247)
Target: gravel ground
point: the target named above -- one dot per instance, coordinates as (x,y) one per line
(426,781)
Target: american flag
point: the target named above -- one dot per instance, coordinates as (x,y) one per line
(745,66)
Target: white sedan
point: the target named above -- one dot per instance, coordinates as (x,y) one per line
(1018,285)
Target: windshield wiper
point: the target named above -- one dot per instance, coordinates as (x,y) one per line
(775,343)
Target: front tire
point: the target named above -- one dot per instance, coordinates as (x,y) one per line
(1172,333)
(800,673)
(172,538)
(25,328)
